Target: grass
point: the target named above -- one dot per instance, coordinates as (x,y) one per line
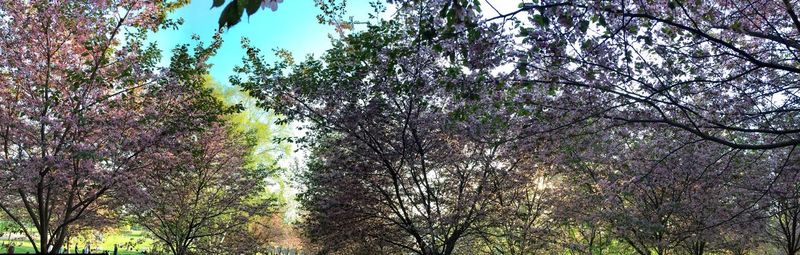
(119,237)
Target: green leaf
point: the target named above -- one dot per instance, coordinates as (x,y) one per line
(647,40)
(428,34)
(231,15)
(241,6)
(252,6)
(633,29)
(465,53)
(438,47)
(736,25)
(445,9)
(583,25)
(477,5)
(86,155)
(601,20)
(522,68)
(217,3)
(586,44)
(541,20)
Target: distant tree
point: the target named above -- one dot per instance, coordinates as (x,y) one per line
(201,192)
(784,226)
(521,221)
(274,228)
(257,122)
(660,192)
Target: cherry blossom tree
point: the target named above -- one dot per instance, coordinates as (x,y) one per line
(521,221)
(721,70)
(783,230)
(397,158)
(81,101)
(716,70)
(662,192)
(201,192)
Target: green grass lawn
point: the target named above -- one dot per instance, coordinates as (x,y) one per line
(107,244)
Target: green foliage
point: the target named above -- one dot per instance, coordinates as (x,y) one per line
(259,124)
(233,12)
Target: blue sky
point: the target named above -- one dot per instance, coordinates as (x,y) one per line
(293,27)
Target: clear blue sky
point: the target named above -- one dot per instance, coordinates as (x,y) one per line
(293,27)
